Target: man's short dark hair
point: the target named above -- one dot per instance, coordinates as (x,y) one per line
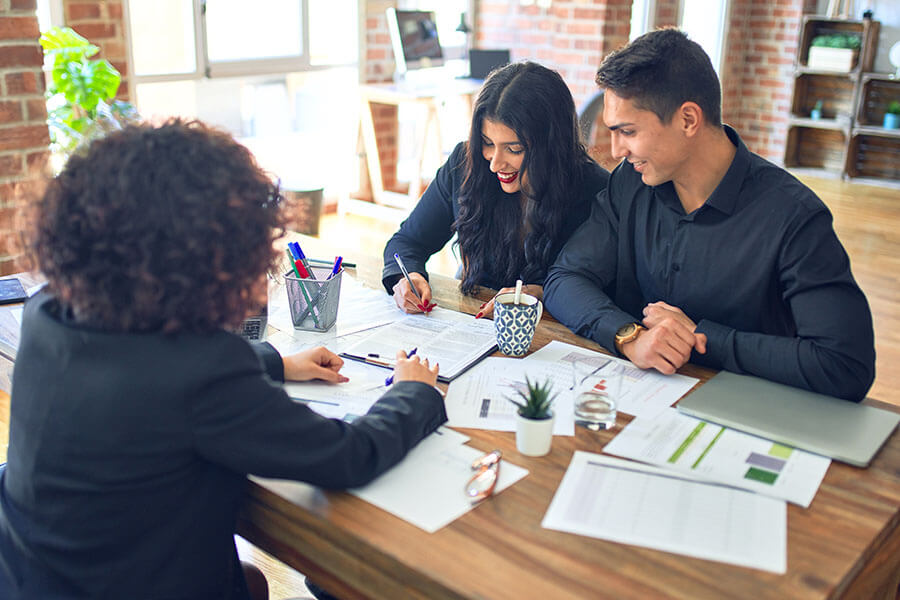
(660,71)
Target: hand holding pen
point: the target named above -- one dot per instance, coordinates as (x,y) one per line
(409,368)
(412,292)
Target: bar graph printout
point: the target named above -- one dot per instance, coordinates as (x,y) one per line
(686,444)
(631,503)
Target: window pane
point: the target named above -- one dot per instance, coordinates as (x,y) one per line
(333,32)
(704,22)
(237,30)
(162,35)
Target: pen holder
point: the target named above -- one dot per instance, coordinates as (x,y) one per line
(313,302)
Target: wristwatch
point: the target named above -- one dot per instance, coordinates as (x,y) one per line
(627,333)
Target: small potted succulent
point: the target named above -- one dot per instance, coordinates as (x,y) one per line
(816,112)
(892,115)
(534,418)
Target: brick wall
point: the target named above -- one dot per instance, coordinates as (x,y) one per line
(572,36)
(23,129)
(102,22)
(666,13)
(378,67)
(757,75)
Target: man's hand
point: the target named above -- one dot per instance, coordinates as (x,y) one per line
(667,343)
(406,299)
(487,309)
(317,363)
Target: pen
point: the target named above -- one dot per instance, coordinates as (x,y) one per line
(297,272)
(344,263)
(406,274)
(298,251)
(337,266)
(390,379)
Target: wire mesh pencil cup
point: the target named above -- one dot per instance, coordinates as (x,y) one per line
(313,302)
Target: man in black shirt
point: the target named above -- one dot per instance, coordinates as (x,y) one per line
(701,250)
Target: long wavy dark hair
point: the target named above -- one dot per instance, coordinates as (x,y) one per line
(492,231)
(167,228)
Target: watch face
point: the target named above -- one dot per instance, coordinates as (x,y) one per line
(626,330)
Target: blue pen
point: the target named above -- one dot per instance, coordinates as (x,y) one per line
(298,252)
(338,260)
(390,379)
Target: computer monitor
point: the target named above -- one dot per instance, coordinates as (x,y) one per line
(414,37)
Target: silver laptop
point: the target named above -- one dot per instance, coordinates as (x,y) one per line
(845,431)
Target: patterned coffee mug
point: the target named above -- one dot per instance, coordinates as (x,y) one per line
(515,323)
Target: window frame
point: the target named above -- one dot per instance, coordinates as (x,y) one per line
(204,68)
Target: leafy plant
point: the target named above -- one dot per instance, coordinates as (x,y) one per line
(837,40)
(536,400)
(81,103)
(893,107)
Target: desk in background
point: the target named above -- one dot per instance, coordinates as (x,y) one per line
(431,97)
(847,544)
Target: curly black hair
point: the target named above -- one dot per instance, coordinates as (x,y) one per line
(159,228)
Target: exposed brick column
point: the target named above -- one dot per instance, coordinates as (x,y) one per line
(24,138)
(757,75)
(666,14)
(378,67)
(572,37)
(102,22)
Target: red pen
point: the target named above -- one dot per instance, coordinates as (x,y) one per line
(301,268)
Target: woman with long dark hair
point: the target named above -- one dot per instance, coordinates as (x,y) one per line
(513,193)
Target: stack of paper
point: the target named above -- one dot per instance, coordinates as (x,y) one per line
(626,502)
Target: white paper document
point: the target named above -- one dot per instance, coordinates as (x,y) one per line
(454,340)
(479,397)
(630,503)
(645,393)
(344,401)
(427,488)
(686,444)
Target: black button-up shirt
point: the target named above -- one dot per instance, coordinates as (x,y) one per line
(758,267)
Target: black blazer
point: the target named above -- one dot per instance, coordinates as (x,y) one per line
(128,455)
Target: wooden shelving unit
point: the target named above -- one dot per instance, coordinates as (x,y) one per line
(874,151)
(823,145)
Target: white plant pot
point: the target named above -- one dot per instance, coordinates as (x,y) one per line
(832,59)
(533,437)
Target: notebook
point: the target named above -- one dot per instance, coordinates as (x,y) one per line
(845,431)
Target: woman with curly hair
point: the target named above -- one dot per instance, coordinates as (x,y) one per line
(136,413)
(513,194)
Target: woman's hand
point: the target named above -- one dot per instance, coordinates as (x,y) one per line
(406,299)
(317,363)
(487,309)
(410,369)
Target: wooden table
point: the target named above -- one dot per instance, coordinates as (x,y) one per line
(847,544)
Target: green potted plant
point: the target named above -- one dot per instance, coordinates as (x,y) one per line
(534,418)
(81,104)
(835,52)
(892,115)
(816,112)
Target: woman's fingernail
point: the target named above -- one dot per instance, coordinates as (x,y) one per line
(478,316)
(483,305)
(420,307)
